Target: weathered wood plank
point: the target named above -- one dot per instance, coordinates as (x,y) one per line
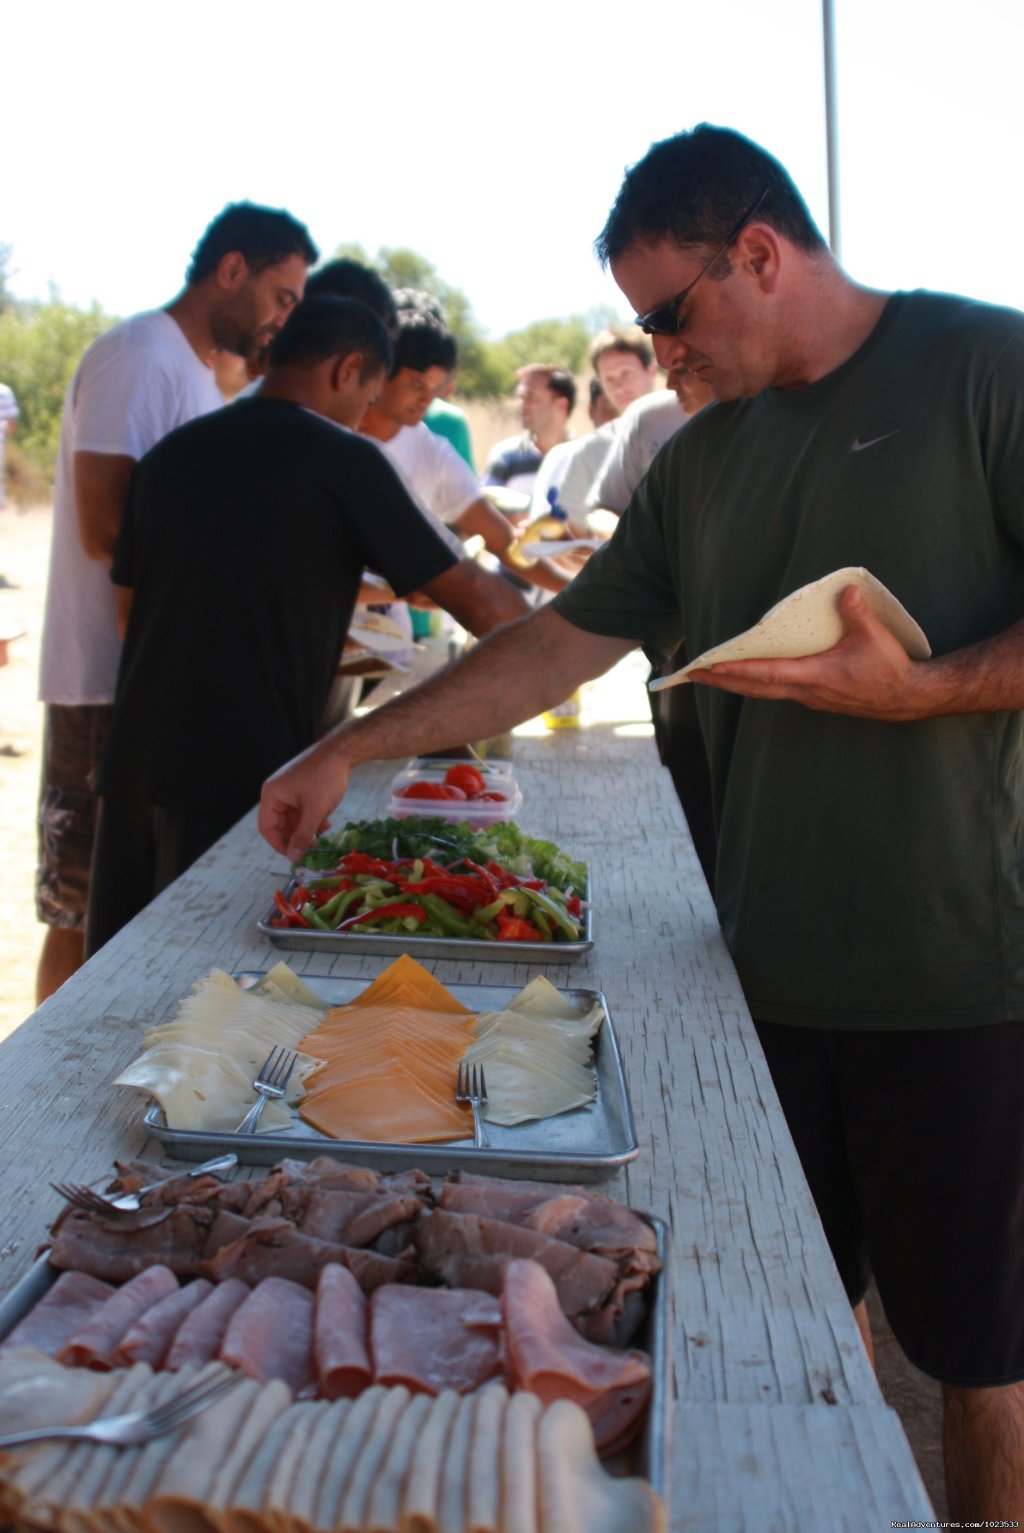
(734,1470)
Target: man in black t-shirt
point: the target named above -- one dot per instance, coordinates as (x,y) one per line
(243,546)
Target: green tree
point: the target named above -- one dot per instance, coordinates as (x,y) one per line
(40,347)
(487,368)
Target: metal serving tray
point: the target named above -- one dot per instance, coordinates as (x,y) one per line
(585,1145)
(430,947)
(649,1455)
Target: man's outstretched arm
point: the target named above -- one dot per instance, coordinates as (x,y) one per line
(514,674)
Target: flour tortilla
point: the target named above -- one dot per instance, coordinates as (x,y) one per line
(809,621)
(378,633)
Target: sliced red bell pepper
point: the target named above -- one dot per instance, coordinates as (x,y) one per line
(384,913)
(288,915)
(514,929)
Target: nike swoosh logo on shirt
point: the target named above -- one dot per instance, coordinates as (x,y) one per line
(859,446)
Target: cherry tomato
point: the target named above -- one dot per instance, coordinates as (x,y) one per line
(493,796)
(466,777)
(424,790)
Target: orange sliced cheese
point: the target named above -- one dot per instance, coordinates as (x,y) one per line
(391,1058)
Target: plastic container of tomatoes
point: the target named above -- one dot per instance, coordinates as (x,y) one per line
(480,792)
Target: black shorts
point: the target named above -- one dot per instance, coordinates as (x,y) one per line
(141,849)
(73,738)
(913,1145)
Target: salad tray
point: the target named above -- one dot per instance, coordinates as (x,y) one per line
(587,1144)
(390,946)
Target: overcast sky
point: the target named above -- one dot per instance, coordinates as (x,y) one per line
(492,139)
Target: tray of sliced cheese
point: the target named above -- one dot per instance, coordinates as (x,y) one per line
(343,1103)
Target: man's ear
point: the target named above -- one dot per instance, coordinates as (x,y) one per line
(760,252)
(347,370)
(232,270)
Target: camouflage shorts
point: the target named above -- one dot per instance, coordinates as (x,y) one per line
(72,741)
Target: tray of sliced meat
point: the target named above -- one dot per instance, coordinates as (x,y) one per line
(588,1143)
(340,1282)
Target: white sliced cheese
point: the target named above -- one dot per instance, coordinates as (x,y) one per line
(577,1495)
(199,1089)
(284,980)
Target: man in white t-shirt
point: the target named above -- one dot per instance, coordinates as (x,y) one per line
(436,476)
(136,383)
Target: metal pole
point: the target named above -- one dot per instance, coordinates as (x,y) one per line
(828,22)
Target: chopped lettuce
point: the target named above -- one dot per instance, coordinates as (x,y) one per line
(418,836)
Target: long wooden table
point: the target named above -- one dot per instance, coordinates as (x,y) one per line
(778,1423)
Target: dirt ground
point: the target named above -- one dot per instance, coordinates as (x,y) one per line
(24,553)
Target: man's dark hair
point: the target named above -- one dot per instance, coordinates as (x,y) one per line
(264,236)
(555,378)
(695,187)
(346,278)
(325,326)
(422,342)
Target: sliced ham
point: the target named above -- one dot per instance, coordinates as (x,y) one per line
(340,1334)
(275,1248)
(324,1171)
(270,1335)
(584,1219)
(172,1238)
(431,1339)
(467,1251)
(62,1310)
(95,1343)
(354,1218)
(548,1357)
(200,1334)
(148,1340)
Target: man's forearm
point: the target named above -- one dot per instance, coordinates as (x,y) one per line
(987,677)
(101,487)
(512,675)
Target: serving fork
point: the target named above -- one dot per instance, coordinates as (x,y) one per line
(133,1427)
(270,1083)
(471,1087)
(93,1202)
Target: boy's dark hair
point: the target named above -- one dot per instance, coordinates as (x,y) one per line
(693,189)
(325,326)
(422,342)
(346,278)
(264,236)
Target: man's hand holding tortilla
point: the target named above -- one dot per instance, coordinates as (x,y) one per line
(869,675)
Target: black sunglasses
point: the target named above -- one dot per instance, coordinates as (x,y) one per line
(665,320)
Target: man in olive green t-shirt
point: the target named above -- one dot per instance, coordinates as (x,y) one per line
(870,875)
